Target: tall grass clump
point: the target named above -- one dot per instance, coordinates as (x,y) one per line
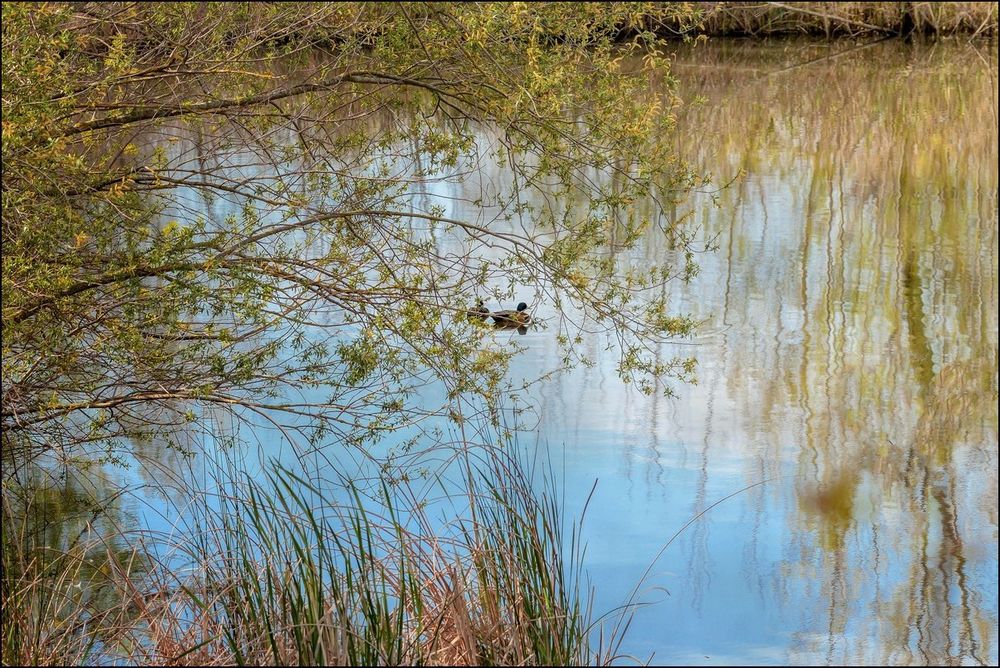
(40,618)
(59,581)
(272,570)
(283,578)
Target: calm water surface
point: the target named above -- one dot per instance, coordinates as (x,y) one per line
(848,365)
(845,413)
(849,360)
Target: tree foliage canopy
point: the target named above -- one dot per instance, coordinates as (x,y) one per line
(224,206)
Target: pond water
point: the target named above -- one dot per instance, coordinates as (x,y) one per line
(847,372)
(838,453)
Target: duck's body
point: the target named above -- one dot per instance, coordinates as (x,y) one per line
(517,318)
(479,312)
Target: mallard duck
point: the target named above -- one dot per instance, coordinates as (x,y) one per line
(478,312)
(517,318)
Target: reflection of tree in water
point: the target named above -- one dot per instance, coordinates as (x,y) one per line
(58,520)
(879,194)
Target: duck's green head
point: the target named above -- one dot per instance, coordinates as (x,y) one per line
(522,306)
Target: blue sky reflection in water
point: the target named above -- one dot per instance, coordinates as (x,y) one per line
(848,358)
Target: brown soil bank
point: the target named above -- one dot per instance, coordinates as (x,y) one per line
(845,18)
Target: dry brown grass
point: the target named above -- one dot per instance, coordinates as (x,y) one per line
(848,18)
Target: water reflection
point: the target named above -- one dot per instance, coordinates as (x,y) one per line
(853,307)
(847,370)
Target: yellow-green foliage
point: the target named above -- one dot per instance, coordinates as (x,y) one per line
(124,287)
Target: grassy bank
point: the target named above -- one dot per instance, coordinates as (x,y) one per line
(269,574)
(757,19)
